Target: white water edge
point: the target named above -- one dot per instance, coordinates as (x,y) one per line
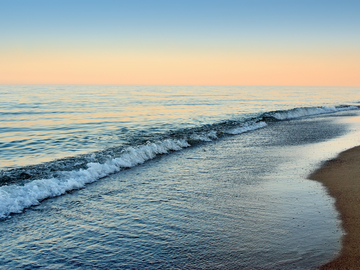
(15,198)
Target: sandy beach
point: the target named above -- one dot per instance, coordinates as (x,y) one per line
(341,176)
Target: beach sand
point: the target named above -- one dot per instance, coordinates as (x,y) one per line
(341,177)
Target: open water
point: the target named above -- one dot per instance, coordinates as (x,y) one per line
(170,177)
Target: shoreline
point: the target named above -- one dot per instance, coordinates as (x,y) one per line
(341,177)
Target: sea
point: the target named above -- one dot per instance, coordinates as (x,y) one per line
(170,177)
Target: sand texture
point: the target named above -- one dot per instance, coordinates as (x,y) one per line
(341,176)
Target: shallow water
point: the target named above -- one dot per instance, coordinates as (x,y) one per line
(217,202)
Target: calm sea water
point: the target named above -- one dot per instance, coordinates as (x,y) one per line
(43,123)
(230,191)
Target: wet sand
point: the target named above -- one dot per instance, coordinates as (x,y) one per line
(341,176)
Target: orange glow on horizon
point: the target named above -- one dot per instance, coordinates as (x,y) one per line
(180,68)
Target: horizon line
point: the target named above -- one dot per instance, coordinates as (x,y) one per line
(99,84)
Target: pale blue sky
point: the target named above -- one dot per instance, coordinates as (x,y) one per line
(196,25)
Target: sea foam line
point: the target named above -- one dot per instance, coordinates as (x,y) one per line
(302,112)
(247,127)
(15,198)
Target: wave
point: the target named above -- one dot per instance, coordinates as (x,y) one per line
(247,127)
(14,198)
(305,111)
(27,186)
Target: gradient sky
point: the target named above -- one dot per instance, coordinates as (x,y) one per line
(188,42)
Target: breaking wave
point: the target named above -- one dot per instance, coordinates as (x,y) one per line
(27,186)
(306,111)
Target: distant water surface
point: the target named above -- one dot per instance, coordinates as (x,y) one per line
(43,123)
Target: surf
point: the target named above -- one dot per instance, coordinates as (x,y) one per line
(27,186)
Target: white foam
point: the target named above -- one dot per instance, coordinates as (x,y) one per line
(14,198)
(301,112)
(204,137)
(247,127)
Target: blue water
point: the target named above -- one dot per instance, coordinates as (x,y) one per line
(230,191)
(43,123)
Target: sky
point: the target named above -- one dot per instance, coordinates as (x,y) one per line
(180,42)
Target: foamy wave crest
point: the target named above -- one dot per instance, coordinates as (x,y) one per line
(247,127)
(204,137)
(15,198)
(32,184)
(302,112)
